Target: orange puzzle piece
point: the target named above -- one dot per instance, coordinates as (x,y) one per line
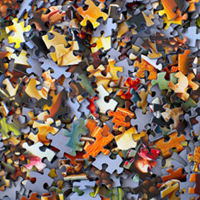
(43,131)
(169,8)
(92,13)
(195,158)
(174,142)
(145,66)
(102,139)
(183,84)
(32,197)
(119,117)
(178,174)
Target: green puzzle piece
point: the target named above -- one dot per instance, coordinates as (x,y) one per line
(162,82)
(3,34)
(73,141)
(6,128)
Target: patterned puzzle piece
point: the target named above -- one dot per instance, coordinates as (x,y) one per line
(101,103)
(65,56)
(58,39)
(174,142)
(177,174)
(7,127)
(92,106)
(131,84)
(73,142)
(113,70)
(35,155)
(33,196)
(145,66)
(100,79)
(43,130)
(129,138)
(56,108)
(3,34)
(183,84)
(18,29)
(196,190)
(103,177)
(173,114)
(169,9)
(148,188)
(119,117)
(102,136)
(73,172)
(195,158)
(86,195)
(169,189)
(92,13)
(162,82)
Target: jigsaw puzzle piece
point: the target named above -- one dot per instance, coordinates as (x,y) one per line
(92,13)
(73,142)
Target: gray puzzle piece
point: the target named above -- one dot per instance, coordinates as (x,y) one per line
(85,196)
(11,191)
(126,67)
(127,182)
(146,118)
(59,141)
(114,54)
(192,35)
(157,169)
(58,71)
(73,106)
(113,164)
(55,165)
(186,185)
(41,179)
(105,27)
(83,107)
(25,6)
(117,182)
(157,91)
(35,66)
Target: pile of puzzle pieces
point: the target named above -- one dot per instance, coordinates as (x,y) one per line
(99,99)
